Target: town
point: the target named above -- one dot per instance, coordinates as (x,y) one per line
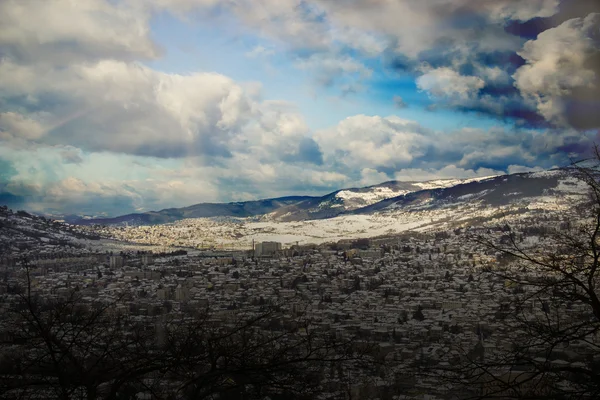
(420,299)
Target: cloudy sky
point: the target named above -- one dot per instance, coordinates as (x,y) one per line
(115,106)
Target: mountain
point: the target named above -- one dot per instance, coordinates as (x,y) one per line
(494,191)
(432,206)
(202,210)
(346,201)
(21,231)
(291,208)
(386,209)
(491,191)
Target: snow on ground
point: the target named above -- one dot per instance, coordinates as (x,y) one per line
(374,195)
(444,183)
(544,174)
(472,195)
(425,215)
(239,233)
(572,184)
(355,199)
(319,231)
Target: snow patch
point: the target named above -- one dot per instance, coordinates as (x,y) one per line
(354,199)
(445,183)
(544,174)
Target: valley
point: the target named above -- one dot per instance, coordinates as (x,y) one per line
(442,205)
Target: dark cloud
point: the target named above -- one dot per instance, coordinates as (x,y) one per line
(574,9)
(476,46)
(568,9)
(12,201)
(308,151)
(406,146)
(58,198)
(529,29)
(583,113)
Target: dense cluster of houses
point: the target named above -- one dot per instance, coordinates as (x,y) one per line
(422,299)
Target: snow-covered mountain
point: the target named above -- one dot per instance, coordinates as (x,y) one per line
(388,196)
(556,195)
(381,210)
(502,190)
(347,200)
(355,198)
(291,208)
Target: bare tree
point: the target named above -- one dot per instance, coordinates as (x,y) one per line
(547,340)
(67,347)
(72,348)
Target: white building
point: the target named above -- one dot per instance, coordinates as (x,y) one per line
(116,261)
(267,249)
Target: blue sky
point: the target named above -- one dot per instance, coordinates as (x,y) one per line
(111,107)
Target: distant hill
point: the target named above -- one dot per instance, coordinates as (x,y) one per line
(202,210)
(384,209)
(291,208)
(493,191)
(23,231)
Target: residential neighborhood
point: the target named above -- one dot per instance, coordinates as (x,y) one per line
(421,299)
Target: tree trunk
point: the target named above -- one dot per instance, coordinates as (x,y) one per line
(91,392)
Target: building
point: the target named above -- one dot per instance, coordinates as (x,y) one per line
(8,261)
(147,259)
(181,293)
(116,262)
(267,249)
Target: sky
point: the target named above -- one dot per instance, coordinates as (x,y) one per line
(109,107)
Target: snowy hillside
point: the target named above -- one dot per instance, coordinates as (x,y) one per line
(386,209)
(20,231)
(470,202)
(352,199)
(284,209)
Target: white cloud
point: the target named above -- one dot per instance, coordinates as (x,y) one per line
(329,69)
(371,141)
(455,31)
(387,145)
(16,126)
(447,83)
(521,10)
(366,25)
(495,154)
(414,27)
(295,23)
(370,176)
(129,108)
(65,31)
(560,62)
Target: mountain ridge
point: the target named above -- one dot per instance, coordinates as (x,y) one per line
(347,201)
(358,212)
